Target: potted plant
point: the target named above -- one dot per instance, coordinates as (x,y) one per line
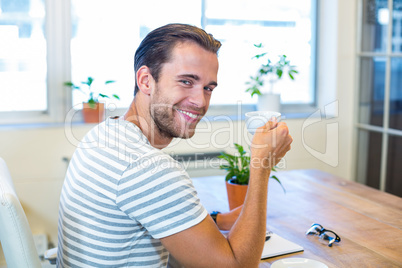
(270,72)
(93,111)
(237,178)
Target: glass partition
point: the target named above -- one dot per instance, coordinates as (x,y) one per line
(375,22)
(395,113)
(394,167)
(372,88)
(369,158)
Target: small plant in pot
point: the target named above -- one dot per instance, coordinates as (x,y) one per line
(93,111)
(270,72)
(237,178)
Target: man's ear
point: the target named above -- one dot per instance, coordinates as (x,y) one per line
(145,80)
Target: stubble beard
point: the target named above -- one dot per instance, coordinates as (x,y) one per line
(163,115)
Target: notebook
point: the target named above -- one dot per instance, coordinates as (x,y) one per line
(278,245)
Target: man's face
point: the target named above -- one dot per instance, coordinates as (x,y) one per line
(181,97)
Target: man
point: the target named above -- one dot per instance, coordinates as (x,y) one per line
(125,203)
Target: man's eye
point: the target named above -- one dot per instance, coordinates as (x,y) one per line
(186,82)
(209,89)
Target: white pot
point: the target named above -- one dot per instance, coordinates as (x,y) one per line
(269,102)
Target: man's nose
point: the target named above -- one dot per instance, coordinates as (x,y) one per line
(197,97)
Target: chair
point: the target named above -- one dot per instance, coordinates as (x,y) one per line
(15,234)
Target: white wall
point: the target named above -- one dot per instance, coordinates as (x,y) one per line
(34,155)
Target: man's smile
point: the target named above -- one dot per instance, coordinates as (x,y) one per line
(192,115)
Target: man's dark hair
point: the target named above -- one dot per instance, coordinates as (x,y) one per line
(155,49)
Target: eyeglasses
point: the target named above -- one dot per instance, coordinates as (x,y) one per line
(317,229)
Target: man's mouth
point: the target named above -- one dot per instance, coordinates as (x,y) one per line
(189,114)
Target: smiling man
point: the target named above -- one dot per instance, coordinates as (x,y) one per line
(125,203)
(174,97)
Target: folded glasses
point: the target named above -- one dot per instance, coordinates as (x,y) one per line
(330,236)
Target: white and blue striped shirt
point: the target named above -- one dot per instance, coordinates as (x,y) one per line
(120,196)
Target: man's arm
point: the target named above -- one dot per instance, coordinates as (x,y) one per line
(204,246)
(225,221)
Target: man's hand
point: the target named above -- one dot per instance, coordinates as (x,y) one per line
(226,220)
(270,144)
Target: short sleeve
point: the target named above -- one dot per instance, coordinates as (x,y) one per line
(157,192)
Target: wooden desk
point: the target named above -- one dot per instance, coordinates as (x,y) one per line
(368,221)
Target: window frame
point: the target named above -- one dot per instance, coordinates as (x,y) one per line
(58,31)
(385,129)
(58,62)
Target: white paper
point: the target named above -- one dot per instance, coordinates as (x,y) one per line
(277,245)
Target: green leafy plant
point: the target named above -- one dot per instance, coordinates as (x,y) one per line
(238,167)
(276,70)
(92,95)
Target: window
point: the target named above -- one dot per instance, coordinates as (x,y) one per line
(103,46)
(379,123)
(99,39)
(22,56)
(279,26)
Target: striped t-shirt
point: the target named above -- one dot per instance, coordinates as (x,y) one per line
(120,196)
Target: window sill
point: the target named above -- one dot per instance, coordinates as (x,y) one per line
(215,114)
(237,113)
(25,126)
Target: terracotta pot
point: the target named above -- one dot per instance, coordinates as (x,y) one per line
(236,193)
(93,114)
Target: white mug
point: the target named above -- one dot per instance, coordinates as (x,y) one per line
(257,119)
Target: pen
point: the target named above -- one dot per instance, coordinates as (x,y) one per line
(268,235)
